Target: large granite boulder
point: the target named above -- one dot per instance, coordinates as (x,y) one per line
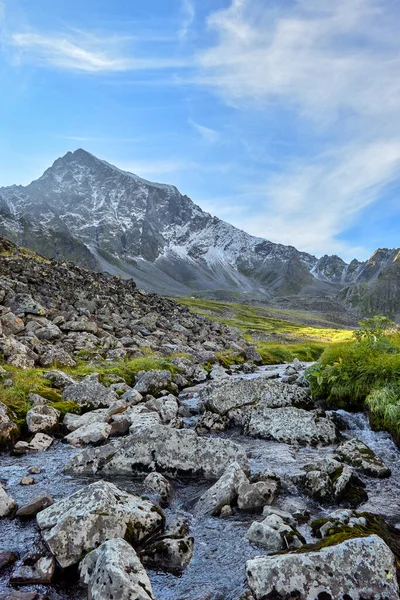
(92,515)
(292,426)
(358,568)
(114,572)
(172,452)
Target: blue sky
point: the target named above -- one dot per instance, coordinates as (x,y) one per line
(279,116)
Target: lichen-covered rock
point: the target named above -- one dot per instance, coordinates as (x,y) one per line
(292,426)
(358,568)
(114,572)
(7,504)
(73,422)
(92,515)
(152,382)
(274,534)
(359,455)
(160,448)
(160,485)
(56,356)
(90,393)
(225,395)
(254,496)
(59,379)
(93,433)
(41,418)
(223,492)
(8,429)
(211,422)
(17,354)
(328,480)
(170,553)
(24,304)
(166,406)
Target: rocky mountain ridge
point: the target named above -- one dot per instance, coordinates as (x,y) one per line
(88,211)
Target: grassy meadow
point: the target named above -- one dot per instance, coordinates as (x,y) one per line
(279,335)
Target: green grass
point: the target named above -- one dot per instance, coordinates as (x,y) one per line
(34,381)
(279,335)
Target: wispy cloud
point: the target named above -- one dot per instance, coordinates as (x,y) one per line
(189,13)
(335,67)
(210,135)
(87,52)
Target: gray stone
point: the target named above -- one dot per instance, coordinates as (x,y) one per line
(7,504)
(359,455)
(159,448)
(8,429)
(59,379)
(357,568)
(292,425)
(41,418)
(92,515)
(274,534)
(56,356)
(114,571)
(160,485)
(73,422)
(170,553)
(94,433)
(254,496)
(152,382)
(90,393)
(24,304)
(223,492)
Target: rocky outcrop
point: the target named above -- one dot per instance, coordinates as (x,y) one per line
(94,514)
(357,568)
(114,571)
(172,452)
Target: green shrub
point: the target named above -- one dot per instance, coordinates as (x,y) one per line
(384,407)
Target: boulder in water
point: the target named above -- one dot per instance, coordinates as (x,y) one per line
(359,455)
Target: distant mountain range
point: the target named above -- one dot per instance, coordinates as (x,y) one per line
(85,210)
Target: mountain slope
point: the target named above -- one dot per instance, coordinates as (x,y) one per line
(88,211)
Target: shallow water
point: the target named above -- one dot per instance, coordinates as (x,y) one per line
(217,571)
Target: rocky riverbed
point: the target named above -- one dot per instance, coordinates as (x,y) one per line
(246,466)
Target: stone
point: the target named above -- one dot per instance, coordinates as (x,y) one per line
(7,558)
(131,398)
(81,325)
(8,429)
(15,595)
(172,452)
(251,353)
(40,572)
(37,399)
(359,455)
(114,571)
(90,393)
(153,381)
(357,568)
(92,515)
(160,485)
(170,553)
(166,406)
(211,422)
(7,504)
(11,324)
(24,304)
(223,493)
(254,496)
(56,356)
(59,379)
(42,418)
(199,374)
(328,480)
(274,534)
(33,507)
(35,470)
(225,395)
(292,426)
(94,433)
(72,421)
(17,354)
(27,481)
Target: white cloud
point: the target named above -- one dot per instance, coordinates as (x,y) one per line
(84,51)
(210,135)
(336,67)
(189,13)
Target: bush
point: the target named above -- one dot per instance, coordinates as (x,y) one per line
(384,407)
